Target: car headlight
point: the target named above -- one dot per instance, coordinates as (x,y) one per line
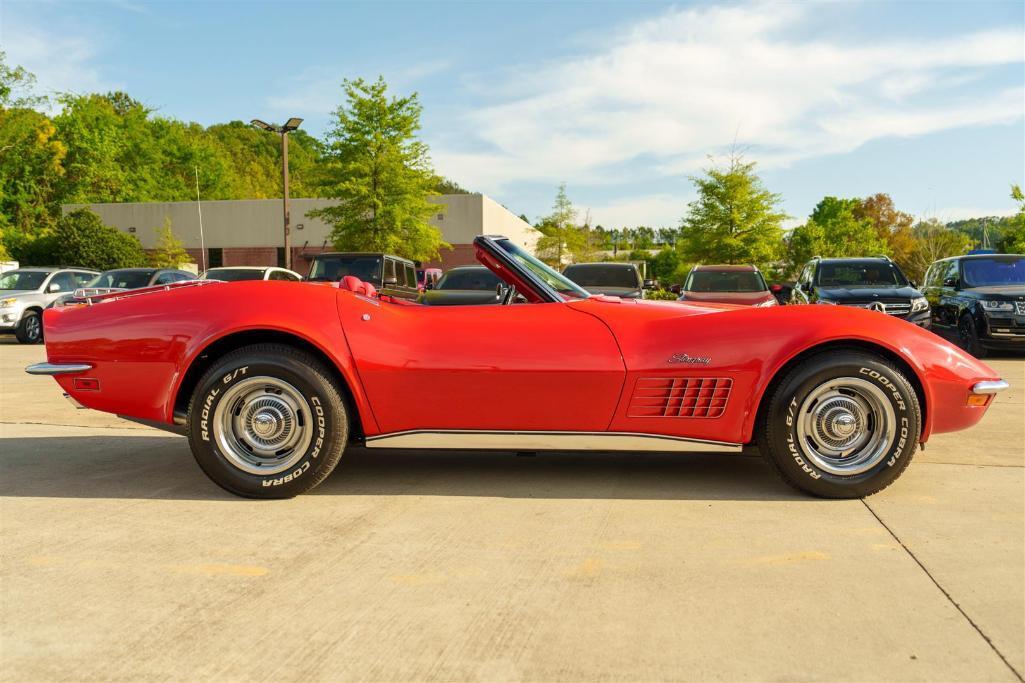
(919,303)
(998,305)
(7,303)
(767,302)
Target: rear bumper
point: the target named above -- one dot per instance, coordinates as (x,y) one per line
(54,369)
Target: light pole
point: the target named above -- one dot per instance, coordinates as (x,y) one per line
(290,125)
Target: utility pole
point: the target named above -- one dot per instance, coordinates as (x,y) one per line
(292,124)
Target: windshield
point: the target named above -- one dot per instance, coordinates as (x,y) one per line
(725,281)
(990,272)
(546,274)
(604,275)
(234,274)
(366,267)
(122,279)
(469,278)
(22,279)
(860,274)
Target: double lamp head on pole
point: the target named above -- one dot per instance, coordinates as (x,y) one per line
(290,125)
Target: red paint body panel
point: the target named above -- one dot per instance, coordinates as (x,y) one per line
(570,366)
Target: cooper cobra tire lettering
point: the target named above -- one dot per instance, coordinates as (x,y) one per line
(887,384)
(324,416)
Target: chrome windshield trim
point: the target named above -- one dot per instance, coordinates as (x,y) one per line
(990,387)
(57,368)
(545,441)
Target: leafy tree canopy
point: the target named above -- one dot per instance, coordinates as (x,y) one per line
(169,252)
(82,239)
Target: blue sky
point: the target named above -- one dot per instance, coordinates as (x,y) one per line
(622,101)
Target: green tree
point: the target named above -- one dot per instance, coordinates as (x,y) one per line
(1013,239)
(169,252)
(892,226)
(734,219)
(16,86)
(834,230)
(382,175)
(559,236)
(82,239)
(31,170)
(665,265)
(934,241)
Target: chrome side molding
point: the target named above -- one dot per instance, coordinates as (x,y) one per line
(57,368)
(546,441)
(990,387)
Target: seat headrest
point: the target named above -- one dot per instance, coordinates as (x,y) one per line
(354,284)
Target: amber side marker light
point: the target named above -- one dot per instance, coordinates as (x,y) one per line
(979,399)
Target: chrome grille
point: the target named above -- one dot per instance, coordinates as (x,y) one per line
(680,397)
(889,309)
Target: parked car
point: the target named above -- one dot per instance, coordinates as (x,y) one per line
(427,278)
(389,274)
(743,285)
(25,292)
(979,301)
(121,279)
(877,284)
(272,383)
(615,279)
(462,286)
(236,273)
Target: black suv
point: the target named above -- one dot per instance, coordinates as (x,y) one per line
(874,283)
(979,301)
(389,274)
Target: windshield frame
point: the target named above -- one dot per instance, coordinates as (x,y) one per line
(528,269)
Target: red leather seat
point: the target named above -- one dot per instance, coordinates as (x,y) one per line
(354,284)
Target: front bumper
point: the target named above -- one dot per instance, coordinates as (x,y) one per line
(10,317)
(53,369)
(1003,332)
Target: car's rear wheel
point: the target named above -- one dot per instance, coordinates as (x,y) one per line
(30,328)
(841,425)
(968,336)
(267,421)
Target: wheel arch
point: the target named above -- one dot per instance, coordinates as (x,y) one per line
(836,345)
(219,347)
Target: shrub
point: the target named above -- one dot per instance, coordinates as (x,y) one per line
(83,240)
(661,295)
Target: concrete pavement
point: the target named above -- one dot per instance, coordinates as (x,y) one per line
(121,560)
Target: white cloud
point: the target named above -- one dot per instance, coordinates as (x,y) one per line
(61,63)
(655,210)
(691,81)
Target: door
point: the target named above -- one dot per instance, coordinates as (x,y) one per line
(947,307)
(526,367)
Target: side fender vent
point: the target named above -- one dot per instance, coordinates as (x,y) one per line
(680,397)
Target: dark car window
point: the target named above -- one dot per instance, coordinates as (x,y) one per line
(166,279)
(725,281)
(281,275)
(993,272)
(410,275)
(602,275)
(122,279)
(235,274)
(333,268)
(22,279)
(860,274)
(469,279)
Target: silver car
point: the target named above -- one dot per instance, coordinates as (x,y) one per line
(25,292)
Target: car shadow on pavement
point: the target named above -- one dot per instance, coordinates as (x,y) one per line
(160,467)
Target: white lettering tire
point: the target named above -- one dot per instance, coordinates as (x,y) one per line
(841,424)
(267,421)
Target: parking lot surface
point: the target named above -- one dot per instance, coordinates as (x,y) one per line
(120,559)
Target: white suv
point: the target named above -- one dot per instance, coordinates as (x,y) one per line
(25,292)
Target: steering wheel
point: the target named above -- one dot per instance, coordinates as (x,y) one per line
(508,295)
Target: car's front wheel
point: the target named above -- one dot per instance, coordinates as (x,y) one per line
(30,328)
(268,421)
(842,424)
(968,336)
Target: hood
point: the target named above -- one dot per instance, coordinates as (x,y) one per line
(625,292)
(868,293)
(742,298)
(8,293)
(998,291)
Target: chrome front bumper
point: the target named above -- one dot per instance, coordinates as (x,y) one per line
(58,368)
(990,387)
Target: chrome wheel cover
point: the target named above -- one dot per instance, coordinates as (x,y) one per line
(263,425)
(846,426)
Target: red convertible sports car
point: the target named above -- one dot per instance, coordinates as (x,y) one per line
(272,380)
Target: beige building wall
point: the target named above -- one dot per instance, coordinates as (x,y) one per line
(252,223)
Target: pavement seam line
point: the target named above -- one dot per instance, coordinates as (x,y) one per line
(61,424)
(943,590)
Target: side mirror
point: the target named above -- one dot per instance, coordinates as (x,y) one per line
(391,281)
(775,288)
(54,287)
(649,284)
(428,285)
(676,289)
(950,282)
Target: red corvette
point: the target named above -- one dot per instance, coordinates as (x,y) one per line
(271,380)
